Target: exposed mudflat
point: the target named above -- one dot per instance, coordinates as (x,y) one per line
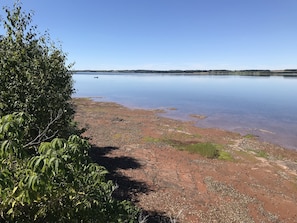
(259,183)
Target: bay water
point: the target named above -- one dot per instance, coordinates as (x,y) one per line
(263,106)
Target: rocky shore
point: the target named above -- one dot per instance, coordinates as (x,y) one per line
(254,182)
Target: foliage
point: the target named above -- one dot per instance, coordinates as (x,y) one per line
(207,149)
(224,155)
(250,136)
(34,78)
(55,182)
(58,184)
(261,153)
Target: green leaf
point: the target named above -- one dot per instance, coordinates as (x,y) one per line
(57,143)
(36,164)
(32,182)
(45,165)
(57,165)
(14,190)
(10,211)
(4,147)
(44,147)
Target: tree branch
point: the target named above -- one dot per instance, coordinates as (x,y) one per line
(42,134)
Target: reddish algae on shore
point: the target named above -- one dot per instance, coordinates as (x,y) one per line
(251,181)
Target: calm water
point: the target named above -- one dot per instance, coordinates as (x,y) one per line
(264,106)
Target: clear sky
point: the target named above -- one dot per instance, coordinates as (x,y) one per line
(171,34)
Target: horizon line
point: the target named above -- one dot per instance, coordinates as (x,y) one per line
(189,70)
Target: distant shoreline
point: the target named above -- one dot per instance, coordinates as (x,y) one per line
(266,73)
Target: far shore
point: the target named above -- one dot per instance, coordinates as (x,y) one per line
(252,72)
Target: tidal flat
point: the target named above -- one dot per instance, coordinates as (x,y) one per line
(145,154)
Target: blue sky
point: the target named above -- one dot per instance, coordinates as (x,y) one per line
(171,34)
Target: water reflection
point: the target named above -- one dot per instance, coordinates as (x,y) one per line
(261,105)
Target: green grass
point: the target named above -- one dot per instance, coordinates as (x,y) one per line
(207,149)
(151,139)
(225,156)
(250,136)
(259,153)
(262,153)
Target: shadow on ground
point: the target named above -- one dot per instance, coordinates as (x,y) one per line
(127,187)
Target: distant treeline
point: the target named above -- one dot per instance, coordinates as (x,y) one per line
(286,72)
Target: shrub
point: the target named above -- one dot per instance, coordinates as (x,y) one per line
(58,184)
(55,181)
(34,77)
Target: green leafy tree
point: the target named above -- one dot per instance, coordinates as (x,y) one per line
(34,78)
(58,184)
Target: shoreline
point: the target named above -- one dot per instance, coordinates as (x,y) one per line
(252,72)
(253,182)
(262,134)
